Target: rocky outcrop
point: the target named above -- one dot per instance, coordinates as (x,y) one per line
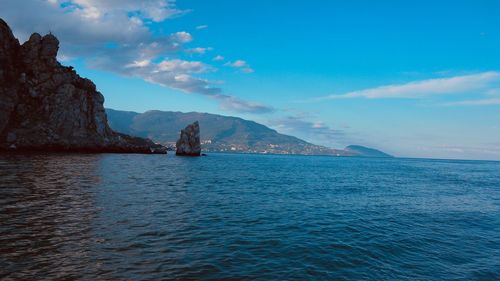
(47,106)
(189,141)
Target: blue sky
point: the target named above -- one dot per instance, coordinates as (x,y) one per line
(413,78)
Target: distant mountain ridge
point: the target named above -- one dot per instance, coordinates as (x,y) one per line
(220,133)
(366,152)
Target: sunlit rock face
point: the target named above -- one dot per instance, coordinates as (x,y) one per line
(189,141)
(47,106)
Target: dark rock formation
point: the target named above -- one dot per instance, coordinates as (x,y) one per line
(189,141)
(47,106)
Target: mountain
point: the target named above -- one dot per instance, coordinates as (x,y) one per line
(47,106)
(218,133)
(365,151)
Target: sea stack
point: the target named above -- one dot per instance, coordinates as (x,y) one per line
(189,141)
(47,106)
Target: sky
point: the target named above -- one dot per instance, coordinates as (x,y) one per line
(412,78)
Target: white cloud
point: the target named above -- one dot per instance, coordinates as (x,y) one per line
(176,74)
(204,26)
(89,22)
(183,37)
(241,64)
(235,104)
(171,73)
(318,125)
(237,64)
(313,131)
(493,92)
(182,66)
(418,89)
(198,50)
(142,63)
(218,58)
(478,102)
(155,10)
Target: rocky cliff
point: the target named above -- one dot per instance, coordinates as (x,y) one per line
(47,106)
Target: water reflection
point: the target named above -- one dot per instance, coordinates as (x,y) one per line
(46,210)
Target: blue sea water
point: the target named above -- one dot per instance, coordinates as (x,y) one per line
(247,217)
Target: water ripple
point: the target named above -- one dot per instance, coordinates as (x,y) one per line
(247,217)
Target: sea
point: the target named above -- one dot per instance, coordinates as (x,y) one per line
(247,217)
